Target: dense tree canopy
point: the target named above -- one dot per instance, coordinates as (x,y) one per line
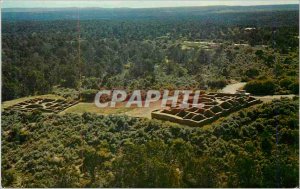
(120,53)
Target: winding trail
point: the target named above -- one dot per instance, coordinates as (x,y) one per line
(232,88)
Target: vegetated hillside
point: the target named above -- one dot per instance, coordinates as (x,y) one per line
(197,52)
(257,147)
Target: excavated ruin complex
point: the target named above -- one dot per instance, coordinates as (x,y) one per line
(209,108)
(43,105)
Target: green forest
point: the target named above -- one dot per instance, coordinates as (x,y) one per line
(41,57)
(53,53)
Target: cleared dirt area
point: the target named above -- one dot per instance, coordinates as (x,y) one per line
(232,88)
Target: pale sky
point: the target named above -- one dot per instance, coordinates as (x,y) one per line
(134,3)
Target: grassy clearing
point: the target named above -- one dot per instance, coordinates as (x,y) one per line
(120,108)
(81,108)
(16,101)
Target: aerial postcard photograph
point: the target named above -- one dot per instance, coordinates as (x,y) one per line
(149,94)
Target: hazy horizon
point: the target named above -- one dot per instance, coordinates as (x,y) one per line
(134,4)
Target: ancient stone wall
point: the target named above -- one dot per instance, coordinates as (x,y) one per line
(214,106)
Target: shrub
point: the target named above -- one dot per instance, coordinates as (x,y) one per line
(217,84)
(252,73)
(261,87)
(285,82)
(294,87)
(259,53)
(91,83)
(88,95)
(65,92)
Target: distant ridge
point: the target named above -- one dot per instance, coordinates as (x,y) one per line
(134,13)
(251,7)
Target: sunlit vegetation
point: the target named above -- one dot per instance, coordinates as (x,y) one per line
(181,48)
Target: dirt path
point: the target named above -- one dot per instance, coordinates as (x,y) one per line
(272,97)
(232,88)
